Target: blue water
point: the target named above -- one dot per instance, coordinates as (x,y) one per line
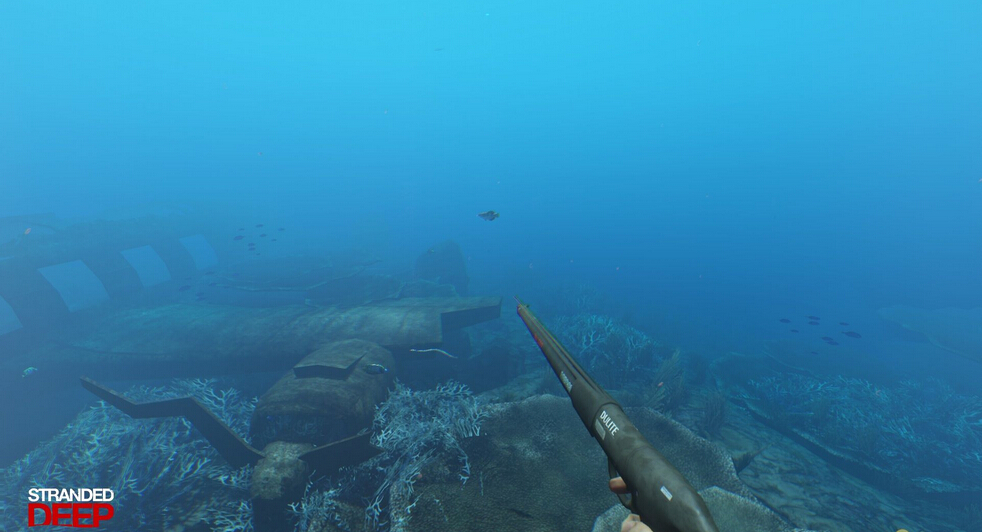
(710,166)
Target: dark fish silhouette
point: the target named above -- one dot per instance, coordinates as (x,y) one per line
(813,323)
(488,215)
(272,240)
(828,338)
(814,352)
(239,237)
(252,244)
(184,288)
(784,320)
(262,235)
(520,513)
(258,226)
(814,318)
(199,294)
(844,324)
(242,229)
(794,330)
(852,334)
(282,229)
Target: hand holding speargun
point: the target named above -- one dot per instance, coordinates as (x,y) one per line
(659,493)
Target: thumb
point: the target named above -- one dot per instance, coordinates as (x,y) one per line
(631,522)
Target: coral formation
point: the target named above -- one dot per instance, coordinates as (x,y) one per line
(161,470)
(416,430)
(614,353)
(922,434)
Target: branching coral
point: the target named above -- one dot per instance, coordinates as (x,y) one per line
(234,517)
(414,428)
(612,352)
(922,431)
(157,468)
(317,509)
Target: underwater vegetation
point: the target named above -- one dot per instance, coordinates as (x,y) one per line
(622,358)
(614,353)
(714,413)
(667,392)
(414,429)
(919,432)
(163,473)
(166,476)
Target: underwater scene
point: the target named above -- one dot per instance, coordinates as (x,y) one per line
(374,266)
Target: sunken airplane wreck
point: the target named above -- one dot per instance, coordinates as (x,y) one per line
(333,389)
(180,340)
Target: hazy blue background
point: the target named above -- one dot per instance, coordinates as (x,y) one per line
(737,161)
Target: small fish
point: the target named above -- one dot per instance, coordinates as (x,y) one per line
(262,235)
(212,284)
(184,288)
(252,244)
(816,318)
(660,384)
(784,320)
(272,240)
(375,369)
(27,231)
(29,371)
(238,237)
(282,229)
(852,334)
(488,215)
(844,324)
(828,338)
(813,323)
(242,229)
(794,330)
(200,294)
(258,226)
(814,352)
